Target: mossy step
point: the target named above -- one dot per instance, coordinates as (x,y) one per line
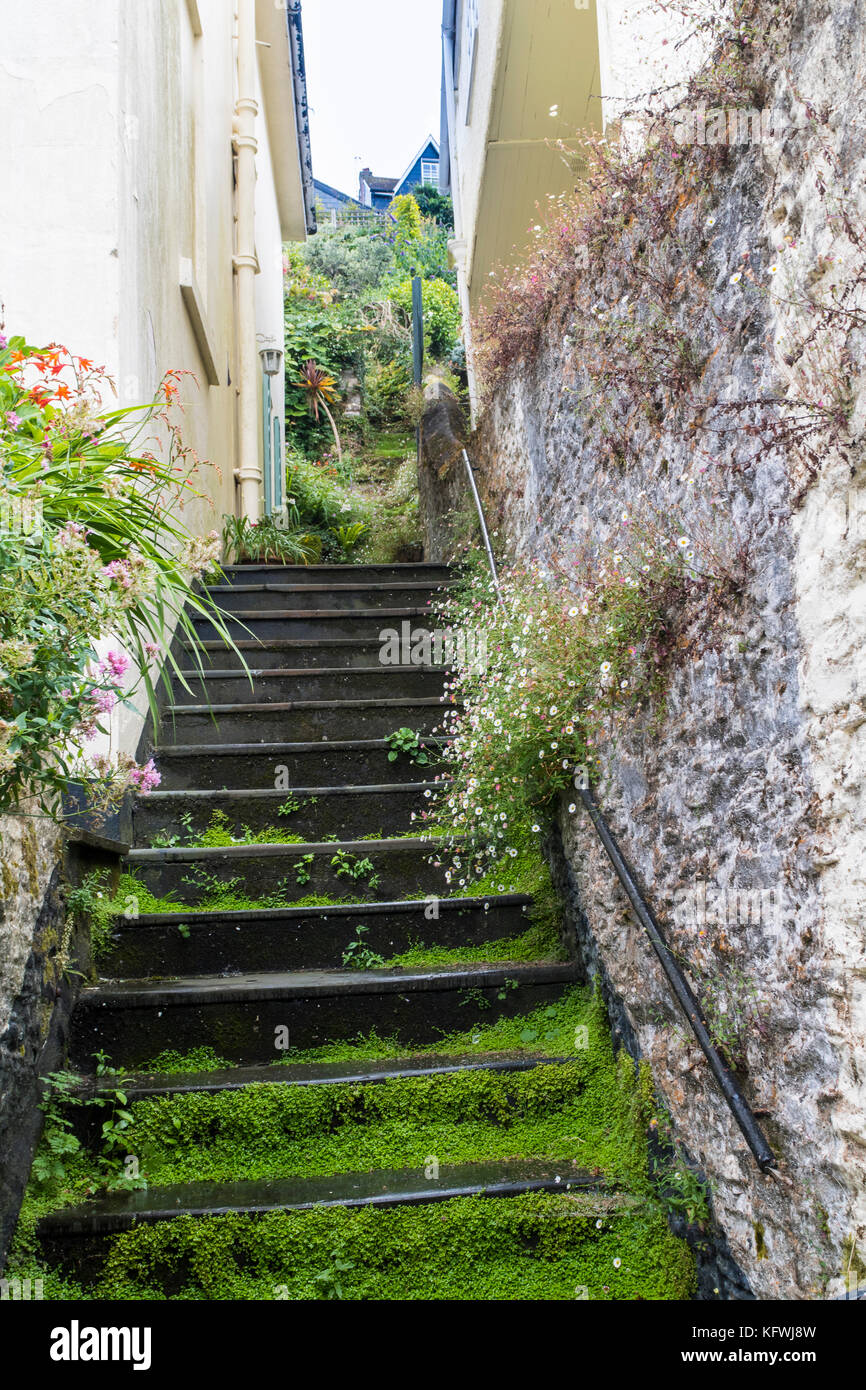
(184,943)
(558,1246)
(156,1085)
(346,811)
(398,869)
(249,1017)
(308,652)
(273,685)
(300,720)
(332,763)
(120,1211)
(336,594)
(326,622)
(556,1111)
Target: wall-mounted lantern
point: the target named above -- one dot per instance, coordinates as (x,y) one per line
(271,359)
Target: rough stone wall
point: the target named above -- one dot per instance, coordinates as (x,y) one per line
(31,928)
(442,486)
(754,779)
(29,854)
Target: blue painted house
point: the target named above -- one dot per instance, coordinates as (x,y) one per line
(331,199)
(377,192)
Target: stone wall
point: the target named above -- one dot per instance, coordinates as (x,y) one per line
(443,492)
(42,959)
(31,929)
(742,811)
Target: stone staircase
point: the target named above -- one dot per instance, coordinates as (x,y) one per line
(293,758)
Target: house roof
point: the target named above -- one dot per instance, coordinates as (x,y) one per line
(379,185)
(326,188)
(431,140)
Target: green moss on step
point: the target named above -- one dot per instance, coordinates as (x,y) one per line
(536,944)
(534,1247)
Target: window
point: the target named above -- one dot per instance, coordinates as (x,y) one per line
(430,171)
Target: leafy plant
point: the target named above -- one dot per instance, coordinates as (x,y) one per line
(353,867)
(319,388)
(441,307)
(349,536)
(559,664)
(408,743)
(302,869)
(329,1278)
(267,540)
(96,544)
(58,1144)
(434,204)
(358,956)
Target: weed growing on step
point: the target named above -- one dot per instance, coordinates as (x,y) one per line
(303,873)
(358,955)
(219,834)
(406,742)
(353,867)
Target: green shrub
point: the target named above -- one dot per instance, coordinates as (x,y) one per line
(387,388)
(354,260)
(317,494)
(441,313)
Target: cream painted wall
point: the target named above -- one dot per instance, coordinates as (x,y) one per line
(118,165)
(645,54)
(269,281)
(59,105)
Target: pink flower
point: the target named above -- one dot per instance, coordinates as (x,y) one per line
(13,420)
(119,570)
(152,649)
(72,531)
(117,663)
(144,779)
(104,701)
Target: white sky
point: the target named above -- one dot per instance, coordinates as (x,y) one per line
(373,73)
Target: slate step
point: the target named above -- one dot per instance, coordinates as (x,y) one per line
(156,1085)
(349,812)
(78,1238)
(275,686)
(401,868)
(275,594)
(297,653)
(334,763)
(249,1018)
(430,572)
(299,720)
(323,623)
(302,938)
(146,1086)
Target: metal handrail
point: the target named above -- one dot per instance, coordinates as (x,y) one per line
(751,1130)
(484,532)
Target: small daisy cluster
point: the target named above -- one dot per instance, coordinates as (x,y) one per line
(562,669)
